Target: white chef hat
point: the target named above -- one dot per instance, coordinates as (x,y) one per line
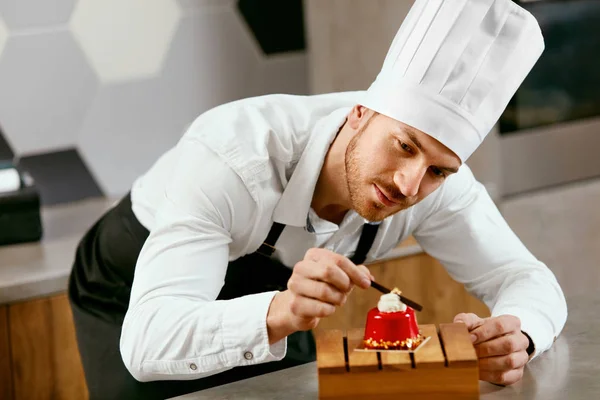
(454,66)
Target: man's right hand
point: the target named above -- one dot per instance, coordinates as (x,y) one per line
(319,284)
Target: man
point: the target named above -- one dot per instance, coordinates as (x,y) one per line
(234,245)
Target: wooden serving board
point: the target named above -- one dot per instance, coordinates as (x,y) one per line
(445,367)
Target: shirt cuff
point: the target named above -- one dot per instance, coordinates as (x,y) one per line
(537,329)
(244,329)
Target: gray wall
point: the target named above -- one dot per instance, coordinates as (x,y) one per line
(96,90)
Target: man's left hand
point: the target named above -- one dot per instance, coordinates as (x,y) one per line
(500,345)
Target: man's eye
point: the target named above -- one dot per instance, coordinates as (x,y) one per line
(437,172)
(405,147)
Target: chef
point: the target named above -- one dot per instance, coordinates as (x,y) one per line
(259,222)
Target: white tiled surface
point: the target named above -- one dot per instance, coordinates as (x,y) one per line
(284,73)
(3,34)
(227,54)
(125,77)
(150,115)
(206,4)
(561,226)
(44,96)
(125,39)
(150,122)
(27,14)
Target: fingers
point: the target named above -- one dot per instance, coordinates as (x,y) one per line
(504,378)
(502,358)
(320,283)
(324,272)
(357,275)
(502,345)
(308,308)
(366,271)
(504,363)
(321,291)
(471,320)
(495,327)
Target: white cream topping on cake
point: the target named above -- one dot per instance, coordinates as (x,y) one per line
(390,302)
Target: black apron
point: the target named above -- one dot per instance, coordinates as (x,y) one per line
(99,290)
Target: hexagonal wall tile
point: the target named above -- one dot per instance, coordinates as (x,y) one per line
(126,130)
(212,54)
(60,176)
(212,60)
(205,4)
(125,39)
(44,96)
(6,152)
(278,26)
(3,35)
(20,14)
(284,73)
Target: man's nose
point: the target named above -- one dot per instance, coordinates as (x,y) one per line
(409,179)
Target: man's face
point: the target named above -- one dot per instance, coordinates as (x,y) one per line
(391,166)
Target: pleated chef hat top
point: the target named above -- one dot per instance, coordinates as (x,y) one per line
(453,67)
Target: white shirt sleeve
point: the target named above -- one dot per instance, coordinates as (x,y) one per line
(174,328)
(466,232)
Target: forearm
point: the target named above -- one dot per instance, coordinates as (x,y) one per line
(177,338)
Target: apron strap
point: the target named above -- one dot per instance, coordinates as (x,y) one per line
(268,247)
(367,237)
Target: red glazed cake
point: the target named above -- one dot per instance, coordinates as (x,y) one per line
(392,325)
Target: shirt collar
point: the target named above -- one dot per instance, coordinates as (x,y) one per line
(294,204)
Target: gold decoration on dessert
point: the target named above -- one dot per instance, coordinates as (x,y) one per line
(396,291)
(408,344)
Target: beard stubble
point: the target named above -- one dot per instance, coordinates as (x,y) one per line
(357,185)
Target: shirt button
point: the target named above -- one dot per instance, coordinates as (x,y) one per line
(193,367)
(248,355)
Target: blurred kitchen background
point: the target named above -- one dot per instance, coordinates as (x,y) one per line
(93,91)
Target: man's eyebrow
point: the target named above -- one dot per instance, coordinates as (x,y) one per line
(416,142)
(449,169)
(414,139)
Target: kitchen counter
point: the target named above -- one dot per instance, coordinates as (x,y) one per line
(42,268)
(569,370)
(32,270)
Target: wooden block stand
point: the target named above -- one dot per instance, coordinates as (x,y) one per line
(443,368)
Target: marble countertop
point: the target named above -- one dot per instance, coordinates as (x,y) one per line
(569,370)
(39,269)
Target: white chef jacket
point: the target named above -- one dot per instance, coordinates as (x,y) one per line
(242,166)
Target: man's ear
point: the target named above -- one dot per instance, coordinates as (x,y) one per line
(358,115)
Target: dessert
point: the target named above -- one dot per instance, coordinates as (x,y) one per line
(392,325)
